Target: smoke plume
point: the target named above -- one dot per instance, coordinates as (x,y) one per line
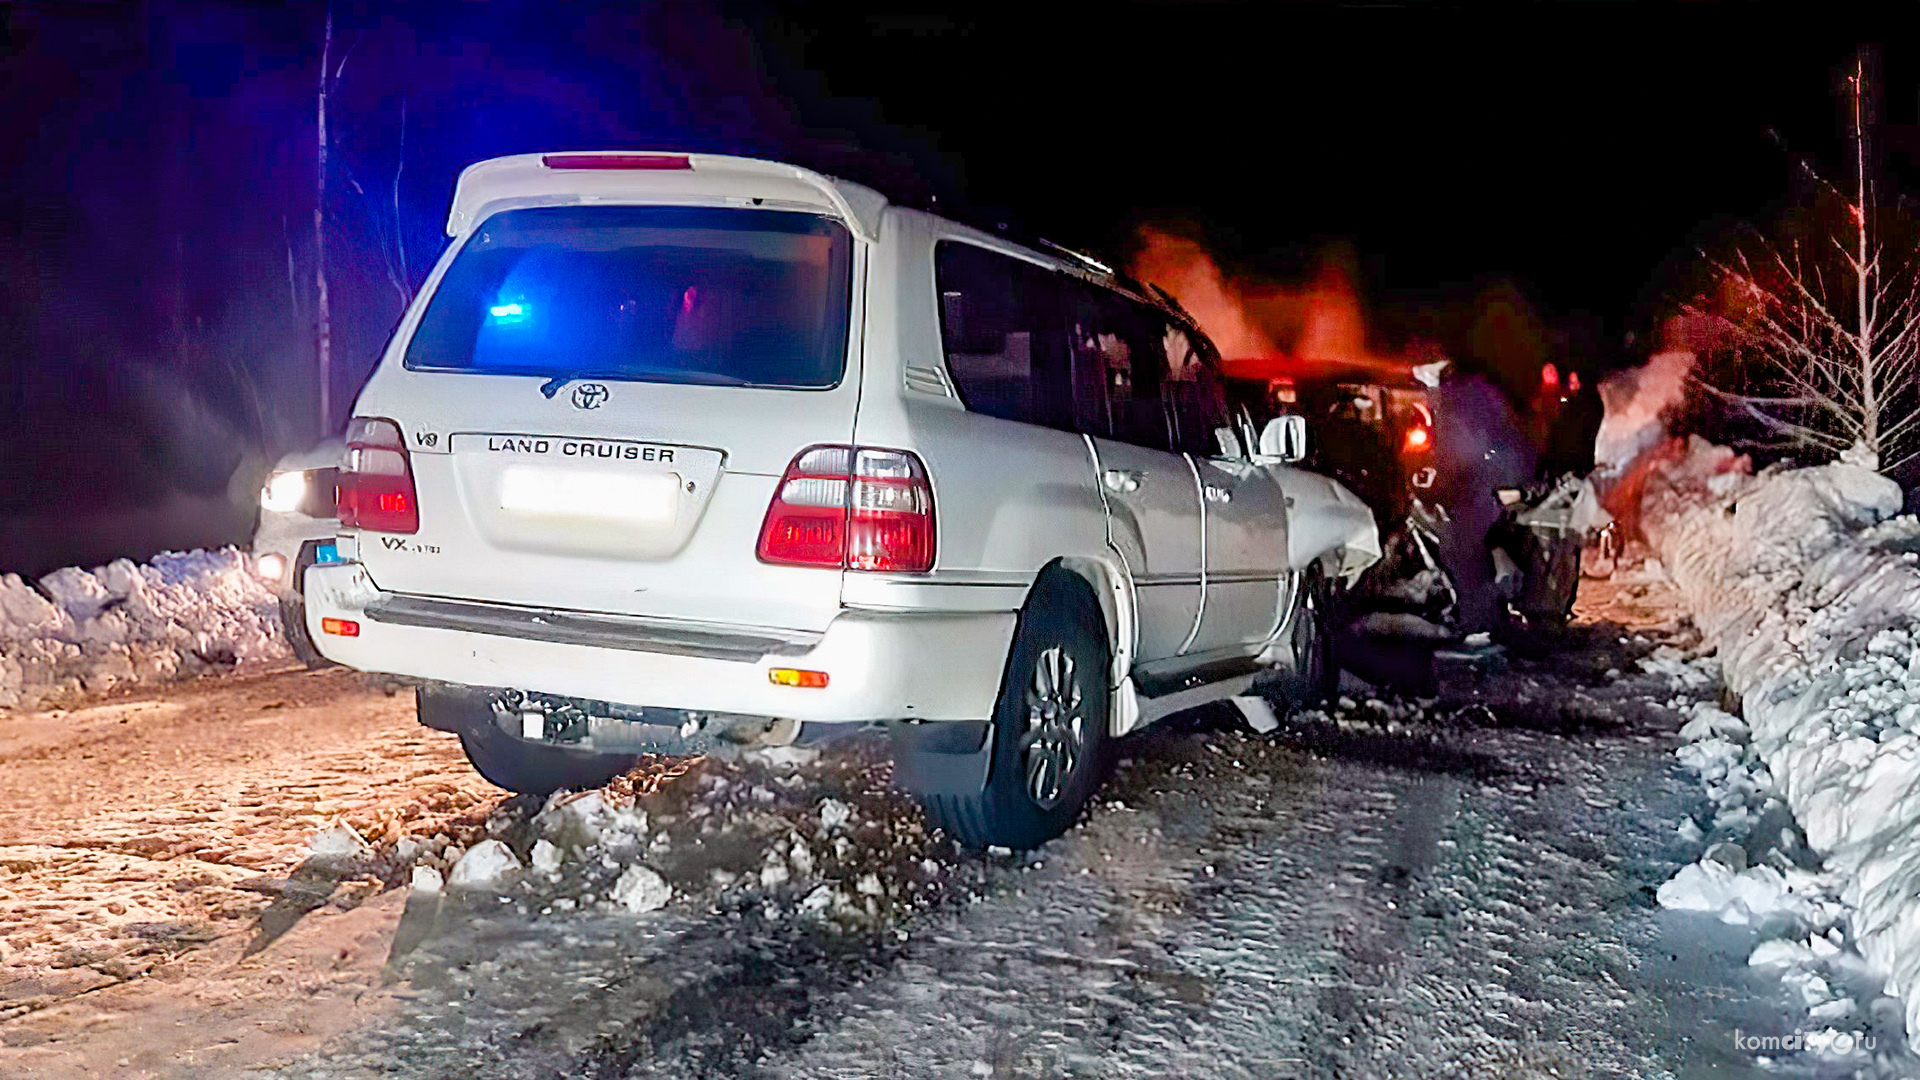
(1182,267)
(1261,328)
(1635,401)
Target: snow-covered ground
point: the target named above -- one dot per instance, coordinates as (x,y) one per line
(781,834)
(285,876)
(1804,584)
(143,830)
(1454,886)
(1446,886)
(84,631)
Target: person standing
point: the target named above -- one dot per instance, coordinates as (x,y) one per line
(1480,446)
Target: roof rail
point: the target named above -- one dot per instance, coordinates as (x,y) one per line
(1144,290)
(1081,257)
(1172,302)
(1023,237)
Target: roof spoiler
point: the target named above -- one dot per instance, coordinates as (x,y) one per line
(531,175)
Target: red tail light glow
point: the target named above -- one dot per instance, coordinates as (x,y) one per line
(1419,439)
(616,161)
(851,508)
(376,481)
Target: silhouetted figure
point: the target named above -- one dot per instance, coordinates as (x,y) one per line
(1570,437)
(1479,446)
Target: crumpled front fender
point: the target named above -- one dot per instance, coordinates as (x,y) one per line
(1325,519)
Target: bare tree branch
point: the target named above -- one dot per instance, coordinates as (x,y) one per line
(1819,328)
(344,57)
(293,287)
(399,228)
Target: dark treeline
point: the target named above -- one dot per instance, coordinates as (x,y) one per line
(157,242)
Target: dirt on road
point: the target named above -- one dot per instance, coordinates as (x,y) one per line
(150,845)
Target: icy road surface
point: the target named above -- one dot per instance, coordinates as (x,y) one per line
(1455,887)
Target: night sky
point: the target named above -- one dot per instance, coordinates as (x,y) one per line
(160,162)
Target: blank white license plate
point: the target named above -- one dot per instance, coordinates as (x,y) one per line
(647,500)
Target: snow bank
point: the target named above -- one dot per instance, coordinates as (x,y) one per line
(1805,582)
(1751,895)
(182,614)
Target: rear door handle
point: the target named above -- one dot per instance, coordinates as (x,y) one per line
(1122,480)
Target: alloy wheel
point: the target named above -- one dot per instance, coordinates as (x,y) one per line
(1053,747)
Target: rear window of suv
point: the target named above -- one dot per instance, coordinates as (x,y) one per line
(718,296)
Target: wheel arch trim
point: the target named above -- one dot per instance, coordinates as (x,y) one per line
(1112,589)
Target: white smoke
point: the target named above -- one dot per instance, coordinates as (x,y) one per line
(1636,401)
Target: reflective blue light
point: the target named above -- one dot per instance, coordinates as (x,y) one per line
(507,312)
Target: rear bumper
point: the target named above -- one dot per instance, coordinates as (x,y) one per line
(881,666)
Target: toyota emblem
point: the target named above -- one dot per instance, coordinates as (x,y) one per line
(590,395)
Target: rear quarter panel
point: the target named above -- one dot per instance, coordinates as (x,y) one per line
(1009,497)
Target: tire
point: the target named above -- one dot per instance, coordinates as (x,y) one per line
(529,768)
(293,625)
(1048,740)
(1311,635)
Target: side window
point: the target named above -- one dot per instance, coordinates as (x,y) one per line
(1195,391)
(1123,345)
(1001,332)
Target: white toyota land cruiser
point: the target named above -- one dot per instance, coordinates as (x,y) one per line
(671,445)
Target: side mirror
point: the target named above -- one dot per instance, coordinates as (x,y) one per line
(1284,439)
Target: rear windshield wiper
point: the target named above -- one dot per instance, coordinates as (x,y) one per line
(697,378)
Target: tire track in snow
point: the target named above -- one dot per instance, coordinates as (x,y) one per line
(1178,972)
(1361,898)
(1446,920)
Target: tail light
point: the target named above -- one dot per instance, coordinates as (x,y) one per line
(376,481)
(855,508)
(1419,439)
